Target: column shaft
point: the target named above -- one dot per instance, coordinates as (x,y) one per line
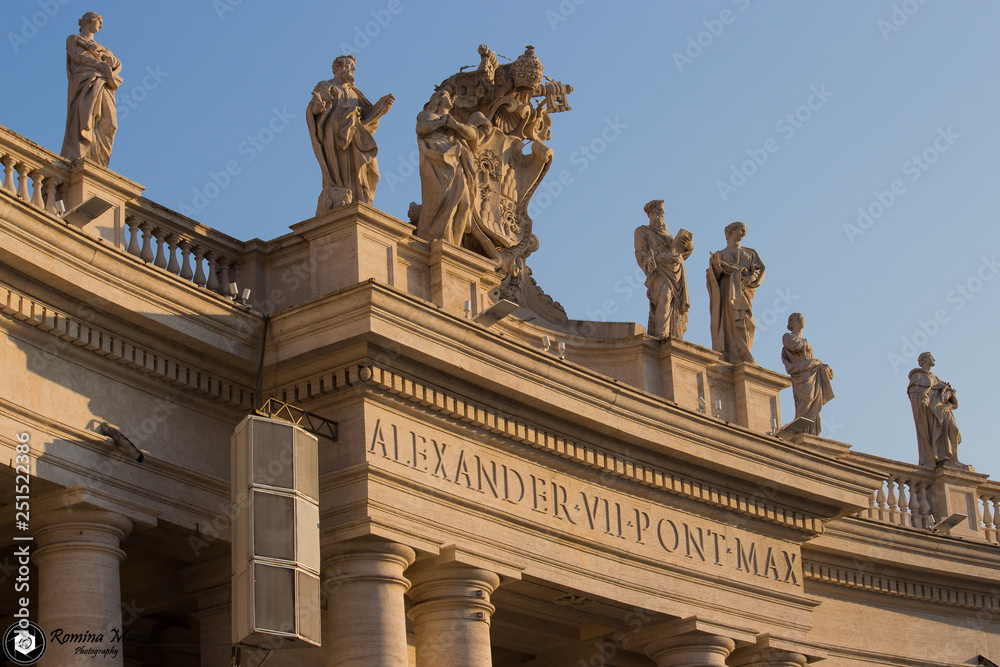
(365,622)
(451,615)
(79,587)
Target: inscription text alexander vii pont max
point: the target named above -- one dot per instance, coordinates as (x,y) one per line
(567,504)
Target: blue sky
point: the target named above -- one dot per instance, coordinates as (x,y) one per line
(857,139)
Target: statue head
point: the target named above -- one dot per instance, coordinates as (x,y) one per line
(90,17)
(734,228)
(344,66)
(925,360)
(654,207)
(796,321)
(440,101)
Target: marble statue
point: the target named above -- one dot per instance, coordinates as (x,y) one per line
(482,157)
(661,257)
(342,123)
(933,402)
(810,377)
(734,274)
(448,181)
(94,75)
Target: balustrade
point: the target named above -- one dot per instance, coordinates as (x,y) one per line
(904,498)
(31,173)
(989,511)
(201,261)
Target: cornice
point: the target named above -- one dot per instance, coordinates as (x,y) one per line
(115,347)
(900,587)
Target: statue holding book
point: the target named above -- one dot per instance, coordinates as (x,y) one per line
(342,123)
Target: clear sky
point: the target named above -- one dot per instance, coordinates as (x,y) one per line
(857,139)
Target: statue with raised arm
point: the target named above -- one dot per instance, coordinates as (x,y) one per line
(734,274)
(933,401)
(94,75)
(810,377)
(342,123)
(661,257)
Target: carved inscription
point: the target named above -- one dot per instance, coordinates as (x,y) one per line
(559,502)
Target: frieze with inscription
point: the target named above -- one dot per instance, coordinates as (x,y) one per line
(560,503)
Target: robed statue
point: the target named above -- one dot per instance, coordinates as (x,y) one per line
(342,123)
(933,402)
(734,274)
(94,74)
(661,257)
(811,387)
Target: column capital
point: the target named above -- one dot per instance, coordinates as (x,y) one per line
(775,652)
(689,642)
(451,590)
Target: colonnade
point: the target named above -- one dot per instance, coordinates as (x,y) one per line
(367,582)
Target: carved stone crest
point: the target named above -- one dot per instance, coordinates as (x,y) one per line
(492,122)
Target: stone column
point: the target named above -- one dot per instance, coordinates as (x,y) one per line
(451,614)
(78,553)
(365,621)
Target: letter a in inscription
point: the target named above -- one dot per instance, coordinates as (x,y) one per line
(378,439)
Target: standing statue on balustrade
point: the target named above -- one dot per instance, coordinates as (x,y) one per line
(810,377)
(661,257)
(342,123)
(933,401)
(94,75)
(734,274)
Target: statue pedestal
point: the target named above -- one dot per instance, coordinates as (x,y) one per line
(458,275)
(744,394)
(954,492)
(88,179)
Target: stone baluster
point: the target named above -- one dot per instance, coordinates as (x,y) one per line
(904,504)
(172,266)
(22,180)
(916,520)
(925,506)
(8,180)
(451,614)
(146,254)
(365,620)
(213,268)
(989,532)
(133,236)
(37,180)
(186,272)
(996,518)
(160,235)
(51,195)
(892,500)
(199,274)
(224,276)
(880,501)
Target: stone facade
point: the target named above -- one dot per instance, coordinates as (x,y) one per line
(575,494)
